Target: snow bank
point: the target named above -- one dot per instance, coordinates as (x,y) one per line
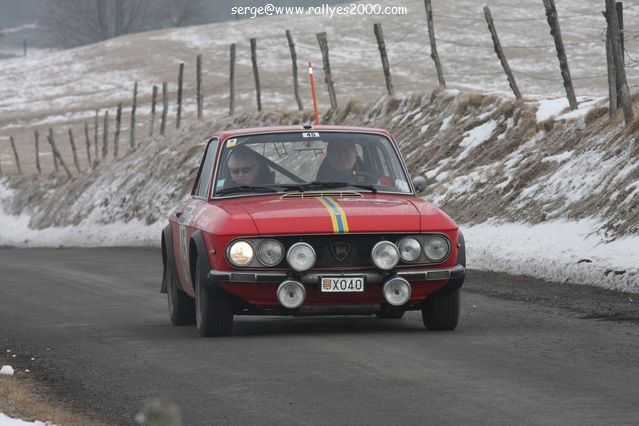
(561,251)
(8,421)
(6,370)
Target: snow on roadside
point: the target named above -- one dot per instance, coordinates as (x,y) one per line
(564,251)
(6,370)
(15,231)
(8,421)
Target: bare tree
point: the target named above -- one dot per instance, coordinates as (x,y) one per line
(78,22)
(181,13)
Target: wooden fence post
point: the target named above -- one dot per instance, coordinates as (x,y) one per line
(198,82)
(323,42)
(105,135)
(165,107)
(97,126)
(379,35)
(133,109)
(87,140)
(500,53)
(232,81)
(15,153)
(612,77)
(37,150)
(56,153)
(296,85)
(617,53)
(256,74)
(52,144)
(118,127)
(555,31)
(74,151)
(433,45)
(154,99)
(179,95)
(619,8)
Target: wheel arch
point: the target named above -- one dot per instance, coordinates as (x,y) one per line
(461,249)
(198,255)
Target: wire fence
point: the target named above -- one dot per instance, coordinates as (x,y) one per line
(407,47)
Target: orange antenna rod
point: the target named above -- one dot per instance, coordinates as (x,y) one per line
(312,77)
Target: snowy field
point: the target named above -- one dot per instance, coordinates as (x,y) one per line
(63,89)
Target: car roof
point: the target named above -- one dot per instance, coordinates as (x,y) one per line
(279,129)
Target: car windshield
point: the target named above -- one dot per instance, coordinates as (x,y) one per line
(309,161)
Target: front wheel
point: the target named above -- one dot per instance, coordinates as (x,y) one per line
(442,312)
(213,314)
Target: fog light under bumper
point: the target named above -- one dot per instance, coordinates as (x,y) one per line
(291,294)
(397,291)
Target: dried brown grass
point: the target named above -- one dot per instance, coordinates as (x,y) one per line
(23,398)
(633,127)
(595,115)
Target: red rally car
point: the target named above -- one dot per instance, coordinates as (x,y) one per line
(308,220)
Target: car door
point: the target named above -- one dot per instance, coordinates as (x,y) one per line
(184,219)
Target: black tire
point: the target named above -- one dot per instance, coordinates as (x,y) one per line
(389,314)
(442,312)
(213,313)
(181,306)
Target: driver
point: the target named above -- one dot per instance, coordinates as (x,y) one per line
(340,162)
(245,168)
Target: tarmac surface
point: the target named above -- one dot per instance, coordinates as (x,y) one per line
(525,352)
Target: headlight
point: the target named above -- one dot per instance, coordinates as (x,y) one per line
(270,252)
(385,255)
(397,291)
(301,257)
(240,253)
(436,248)
(409,249)
(291,294)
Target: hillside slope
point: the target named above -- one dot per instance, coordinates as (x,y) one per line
(484,156)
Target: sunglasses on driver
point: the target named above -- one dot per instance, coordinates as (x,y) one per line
(243,170)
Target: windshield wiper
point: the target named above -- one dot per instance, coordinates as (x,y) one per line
(326,185)
(245,188)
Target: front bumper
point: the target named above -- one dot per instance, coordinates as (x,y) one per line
(313,277)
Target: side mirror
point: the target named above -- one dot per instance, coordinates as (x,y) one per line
(420,184)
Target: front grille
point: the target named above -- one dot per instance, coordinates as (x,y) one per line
(329,247)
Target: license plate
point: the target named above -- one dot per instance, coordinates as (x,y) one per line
(341,284)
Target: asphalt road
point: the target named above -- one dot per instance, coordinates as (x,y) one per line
(525,352)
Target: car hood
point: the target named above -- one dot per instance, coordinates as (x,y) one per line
(311,214)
